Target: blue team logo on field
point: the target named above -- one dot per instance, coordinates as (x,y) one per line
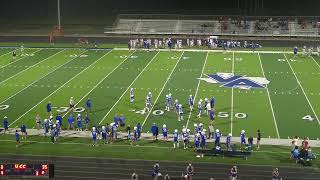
(231,80)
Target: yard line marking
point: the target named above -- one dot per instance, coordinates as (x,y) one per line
(36,81)
(95,86)
(129,87)
(18,59)
(56,89)
(315,61)
(196,93)
(6,53)
(162,89)
(274,117)
(231,117)
(302,89)
(31,66)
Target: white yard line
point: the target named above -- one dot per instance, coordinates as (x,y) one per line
(302,89)
(164,85)
(315,61)
(231,116)
(30,67)
(1,67)
(274,117)
(56,89)
(6,53)
(98,82)
(129,87)
(196,93)
(36,81)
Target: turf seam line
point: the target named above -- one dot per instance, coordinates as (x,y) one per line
(302,89)
(271,106)
(196,93)
(43,60)
(37,80)
(55,90)
(95,86)
(19,59)
(231,116)
(162,89)
(154,57)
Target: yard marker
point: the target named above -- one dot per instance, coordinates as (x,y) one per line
(36,81)
(56,90)
(162,89)
(302,90)
(17,60)
(99,81)
(31,66)
(196,93)
(231,117)
(154,57)
(271,106)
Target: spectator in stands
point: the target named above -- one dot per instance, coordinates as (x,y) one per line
(189,172)
(275,174)
(156,171)
(134,176)
(234,173)
(155,131)
(258,139)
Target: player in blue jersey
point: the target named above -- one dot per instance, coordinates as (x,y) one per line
(122,120)
(197,141)
(79,123)
(212,102)
(49,108)
(217,137)
(88,105)
(180,117)
(184,138)
(167,103)
(94,136)
(24,133)
(176,139)
(135,135)
(228,142)
(176,106)
(199,108)
(211,114)
(131,95)
(199,129)
(203,139)
(17,135)
(87,120)
(104,135)
(5,124)
(191,102)
(149,96)
(170,100)
(243,140)
(295,51)
(115,119)
(70,122)
(165,132)
(139,129)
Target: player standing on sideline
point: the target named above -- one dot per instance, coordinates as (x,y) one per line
(131,95)
(318,51)
(45,127)
(217,138)
(88,105)
(122,120)
(176,139)
(79,123)
(87,120)
(310,51)
(243,140)
(211,114)
(233,173)
(128,129)
(184,137)
(14,55)
(258,139)
(197,141)
(295,51)
(22,50)
(24,131)
(135,135)
(70,122)
(50,122)
(49,109)
(199,108)
(191,102)
(17,135)
(203,139)
(59,118)
(212,102)
(148,103)
(5,124)
(180,116)
(71,103)
(176,106)
(167,103)
(139,129)
(304,51)
(228,142)
(52,134)
(94,136)
(165,132)
(104,135)
(206,102)
(155,131)
(129,45)
(38,121)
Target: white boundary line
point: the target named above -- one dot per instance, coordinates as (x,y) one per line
(231,114)
(37,80)
(56,89)
(17,60)
(271,106)
(302,89)
(196,93)
(162,89)
(315,61)
(129,87)
(95,86)
(43,60)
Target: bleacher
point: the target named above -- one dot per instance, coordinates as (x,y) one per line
(216,25)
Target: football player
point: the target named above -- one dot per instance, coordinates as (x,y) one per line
(165,132)
(180,117)
(167,103)
(191,102)
(295,51)
(199,108)
(131,95)
(176,106)
(175,139)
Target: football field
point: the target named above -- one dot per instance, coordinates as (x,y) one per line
(271,91)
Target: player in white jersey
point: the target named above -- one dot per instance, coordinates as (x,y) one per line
(148,104)
(310,51)
(304,51)
(180,115)
(191,102)
(167,103)
(22,50)
(318,50)
(199,108)
(208,107)
(131,95)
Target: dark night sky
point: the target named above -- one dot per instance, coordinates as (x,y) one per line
(93,8)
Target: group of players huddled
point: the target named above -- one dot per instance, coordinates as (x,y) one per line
(306,52)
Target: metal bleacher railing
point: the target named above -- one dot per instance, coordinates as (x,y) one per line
(215,25)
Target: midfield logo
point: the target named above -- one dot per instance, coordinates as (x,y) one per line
(230,80)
